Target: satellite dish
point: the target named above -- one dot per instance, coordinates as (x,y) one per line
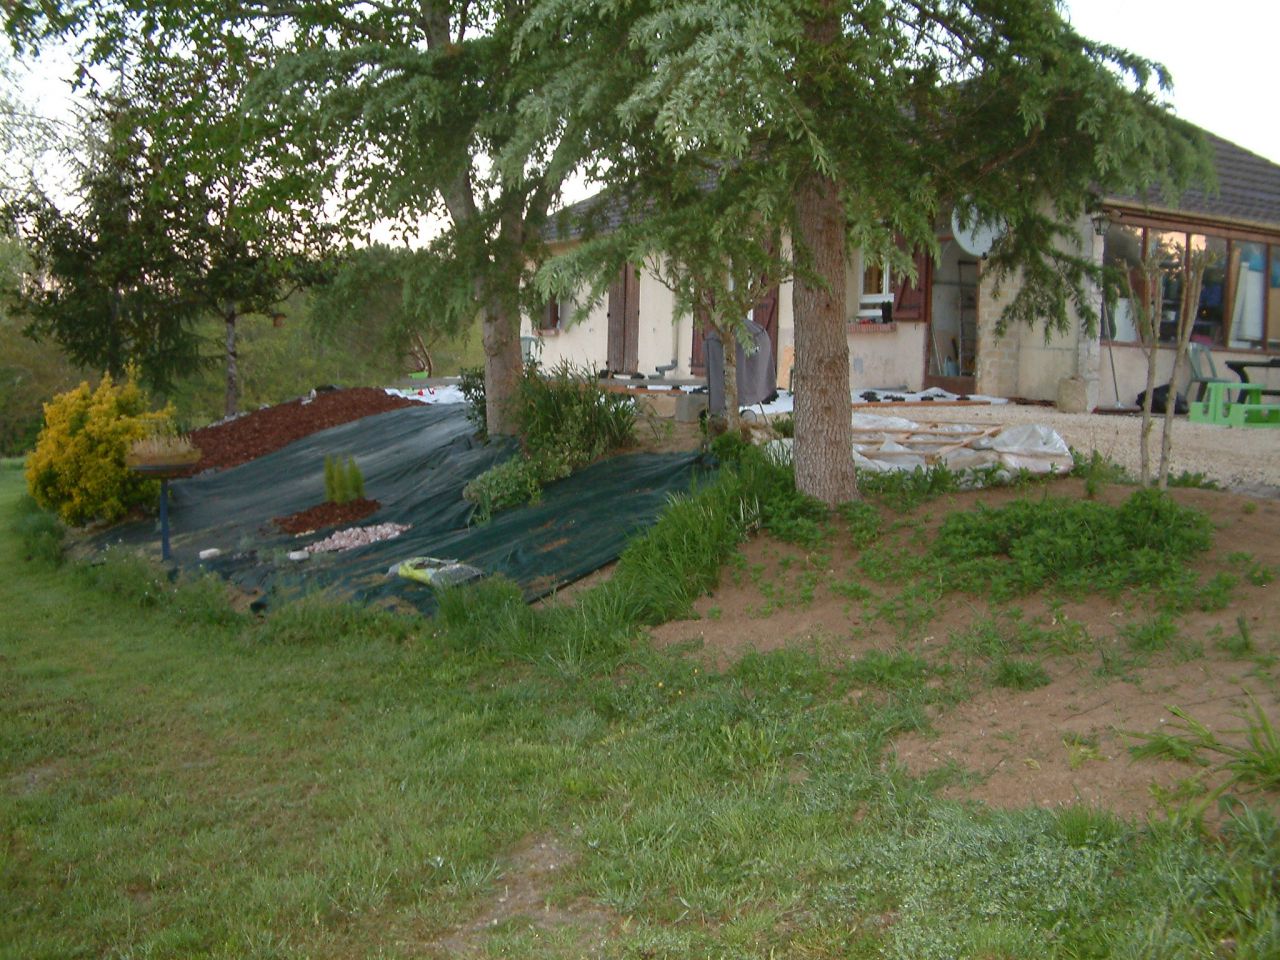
(980,235)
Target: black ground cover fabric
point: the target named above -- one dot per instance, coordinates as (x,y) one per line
(415,462)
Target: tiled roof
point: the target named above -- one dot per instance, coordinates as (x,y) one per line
(598,214)
(1247,192)
(1248,189)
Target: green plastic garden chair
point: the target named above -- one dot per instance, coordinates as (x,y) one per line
(1201,360)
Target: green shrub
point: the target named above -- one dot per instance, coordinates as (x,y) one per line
(508,484)
(566,421)
(77,467)
(471,383)
(355,480)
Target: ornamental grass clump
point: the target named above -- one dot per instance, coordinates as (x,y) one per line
(343,482)
(162,450)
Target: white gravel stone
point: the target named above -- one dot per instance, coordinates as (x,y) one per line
(1246,459)
(354,537)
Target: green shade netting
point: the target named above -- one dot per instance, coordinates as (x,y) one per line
(415,462)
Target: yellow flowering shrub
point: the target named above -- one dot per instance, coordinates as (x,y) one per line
(77,467)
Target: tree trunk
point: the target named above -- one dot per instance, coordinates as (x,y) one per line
(823,450)
(732,418)
(503,367)
(231,406)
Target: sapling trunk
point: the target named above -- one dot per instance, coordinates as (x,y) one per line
(1197,262)
(1147,309)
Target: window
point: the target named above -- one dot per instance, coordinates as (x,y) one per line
(1246,281)
(551,315)
(1122,254)
(1239,304)
(877,293)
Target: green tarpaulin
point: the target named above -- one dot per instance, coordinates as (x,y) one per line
(415,462)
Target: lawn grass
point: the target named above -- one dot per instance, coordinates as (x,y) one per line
(180,781)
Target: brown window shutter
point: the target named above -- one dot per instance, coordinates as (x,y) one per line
(550,319)
(910,300)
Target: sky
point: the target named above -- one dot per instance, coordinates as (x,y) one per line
(1222,54)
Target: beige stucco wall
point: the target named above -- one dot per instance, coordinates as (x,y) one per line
(586,342)
(886,358)
(1022,362)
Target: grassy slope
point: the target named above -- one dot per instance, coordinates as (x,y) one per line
(177,783)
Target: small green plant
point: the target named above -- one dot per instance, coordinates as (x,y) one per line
(1150,635)
(863,521)
(1239,644)
(1258,574)
(471,383)
(1081,750)
(1019,674)
(343,482)
(1254,763)
(355,480)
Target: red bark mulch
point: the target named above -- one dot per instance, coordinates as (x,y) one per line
(264,431)
(327,515)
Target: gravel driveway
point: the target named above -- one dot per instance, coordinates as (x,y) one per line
(1244,459)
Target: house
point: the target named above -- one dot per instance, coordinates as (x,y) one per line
(940,328)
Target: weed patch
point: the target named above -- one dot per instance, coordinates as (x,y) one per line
(1078,545)
(1019,675)
(893,671)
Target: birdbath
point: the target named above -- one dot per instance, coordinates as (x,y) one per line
(170,457)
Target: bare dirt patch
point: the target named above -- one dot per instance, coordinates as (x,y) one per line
(524,902)
(1068,743)
(1054,745)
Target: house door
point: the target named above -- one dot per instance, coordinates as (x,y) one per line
(624,322)
(951,314)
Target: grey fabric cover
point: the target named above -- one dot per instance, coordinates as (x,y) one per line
(757,377)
